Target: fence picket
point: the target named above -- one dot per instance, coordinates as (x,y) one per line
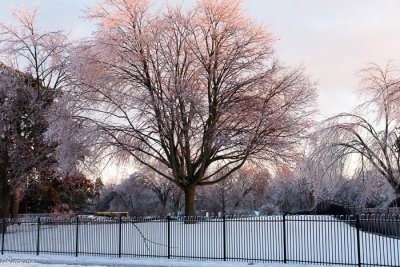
(38,237)
(77,237)
(4,229)
(358,240)
(284,238)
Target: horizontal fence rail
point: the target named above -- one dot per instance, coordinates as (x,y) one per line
(361,240)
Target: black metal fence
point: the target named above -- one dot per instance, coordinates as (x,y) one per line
(347,240)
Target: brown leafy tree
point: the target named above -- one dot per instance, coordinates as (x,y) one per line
(196,91)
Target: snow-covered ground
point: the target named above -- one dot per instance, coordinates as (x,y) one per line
(13,260)
(319,239)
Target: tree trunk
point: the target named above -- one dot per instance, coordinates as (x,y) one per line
(16,202)
(5,202)
(5,192)
(163,208)
(5,207)
(177,202)
(223,202)
(189,201)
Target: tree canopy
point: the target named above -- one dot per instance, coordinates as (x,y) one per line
(197,92)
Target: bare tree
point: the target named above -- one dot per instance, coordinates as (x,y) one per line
(367,189)
(38,59)
(289,191)
(164,189)
(42,54)
(136,195)
(242,192)
(198,91)
(368,139)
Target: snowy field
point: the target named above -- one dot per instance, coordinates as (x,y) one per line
(317,239)
(67,261)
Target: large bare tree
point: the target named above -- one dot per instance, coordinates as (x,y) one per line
(197,91)
(368,140)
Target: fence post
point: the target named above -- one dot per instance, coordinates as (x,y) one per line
(224,234)
(77,237)
(4,233)
(169,236)
(38,237)
(284,238)
(358,226)
(120,237)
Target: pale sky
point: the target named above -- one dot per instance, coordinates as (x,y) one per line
(332,39)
